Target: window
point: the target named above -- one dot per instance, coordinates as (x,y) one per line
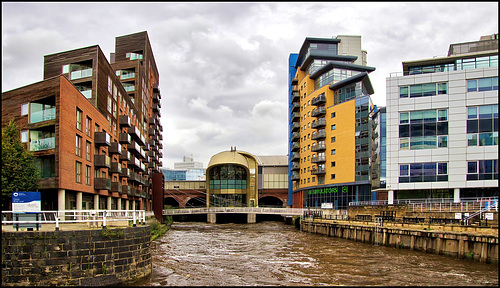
(333,139)
(423,90)
(332,164)
(423,172)
(110,85)
(25,109)
(78,146)
(88,146)
(333,127)
(483,84)
(78,172)
(423,129)
(332,176)
(332,151)
(78,119)
(24,136)
(333,115)
(88,172)
(88,126)
(482,125)
(482,170)
(96,128)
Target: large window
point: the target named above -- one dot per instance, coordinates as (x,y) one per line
(46,166)
(78,172)
(482,125)
(483,84)
(78,146)
(228,176)
(423,90)
(79,119)
(423,129)
(423,172)
(482,170)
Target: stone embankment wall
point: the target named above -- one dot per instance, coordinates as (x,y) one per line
(456,244)
(100,257)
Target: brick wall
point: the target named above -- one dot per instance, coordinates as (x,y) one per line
(86,257)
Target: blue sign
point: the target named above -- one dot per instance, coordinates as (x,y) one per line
(26,201)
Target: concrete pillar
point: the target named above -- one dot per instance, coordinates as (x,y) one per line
(127,204)
(390,197)
(119,204)
(61,203)
(96,202)
(108,203)
(79,200)
(456,195)
(133,204)
(211,218)
(251,218)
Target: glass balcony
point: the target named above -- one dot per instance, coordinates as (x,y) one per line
(87,93)
(129,87)
(126,75)
(43,144)
(41,112)
(81,74)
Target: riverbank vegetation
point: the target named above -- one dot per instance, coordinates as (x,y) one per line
(158,229)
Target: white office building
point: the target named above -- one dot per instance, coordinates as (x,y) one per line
(442,125)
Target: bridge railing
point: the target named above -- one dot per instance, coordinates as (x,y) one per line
(251,210)
(73,216)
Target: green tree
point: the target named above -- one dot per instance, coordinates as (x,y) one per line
(19,171)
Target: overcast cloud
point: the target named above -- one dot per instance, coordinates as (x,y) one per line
(224,66)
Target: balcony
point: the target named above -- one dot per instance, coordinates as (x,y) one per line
(134,177)
(152,121)
(125,173)
(156,107)
(116,187)
(295,116)
(43,144)
(295,97)
(124,138)
(318,148)
(151,131)
(318,171)
(295,88)
(295,126)
(102,184)
(134,148)
(131,191)
(136,135)
(115,148)
(295,167)
(124,121)
(295,176)
(318,135)
(295,156)
(319,100)
(126,189)
(78,74)
(295,136)
(295,80)
(135,162)
(152,153)
(41,112)
(318,159)
(295,146)
(102,161)
(295,106)
(102,139)
(125,156)
(115,167)
(320,111)
(128,87)
(320,123)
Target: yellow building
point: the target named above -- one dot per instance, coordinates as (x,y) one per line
(330,128)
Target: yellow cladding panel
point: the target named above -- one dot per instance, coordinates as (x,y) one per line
(344,144)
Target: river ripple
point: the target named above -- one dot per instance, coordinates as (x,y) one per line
(272,253)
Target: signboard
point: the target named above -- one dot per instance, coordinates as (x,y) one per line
(488,216)
(326,205)
(458,215)
(26,202)
(339,189)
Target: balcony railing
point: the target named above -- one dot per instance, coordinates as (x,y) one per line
(81,74)
(318,159)
(125,156)
(102,138)
(319,100)
(295,176)
(124,138)
(102,184)
(87,93)
(125,173)
(295,106)
(102,161)
(127,76)
(320,123)
(319,147)
(124,121)
(295,136)
(116,167)
(116,187)
(115,148)
(318,171)
(295,146)
(43,144)
(295,167)
(295,156)
(129,88)
(44,115)
(295,126)
(319,135)
(320,111)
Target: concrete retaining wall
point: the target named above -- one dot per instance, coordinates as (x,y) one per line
(84,257)
(456,244)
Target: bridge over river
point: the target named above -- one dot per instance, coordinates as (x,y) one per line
(211,212)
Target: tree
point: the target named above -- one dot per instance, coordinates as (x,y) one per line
(19,171)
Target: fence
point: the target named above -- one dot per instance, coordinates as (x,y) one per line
(251,210)
(75,216)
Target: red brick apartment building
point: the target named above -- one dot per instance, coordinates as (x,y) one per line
(94,126)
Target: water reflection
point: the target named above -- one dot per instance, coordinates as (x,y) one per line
(272,253)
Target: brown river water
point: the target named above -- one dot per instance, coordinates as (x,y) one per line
(273,253)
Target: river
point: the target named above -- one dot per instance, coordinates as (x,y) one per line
(273,253)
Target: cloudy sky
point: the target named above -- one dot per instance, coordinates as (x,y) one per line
(224,66)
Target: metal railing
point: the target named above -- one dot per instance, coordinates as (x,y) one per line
(245,210)
(434,204)
(76,216)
